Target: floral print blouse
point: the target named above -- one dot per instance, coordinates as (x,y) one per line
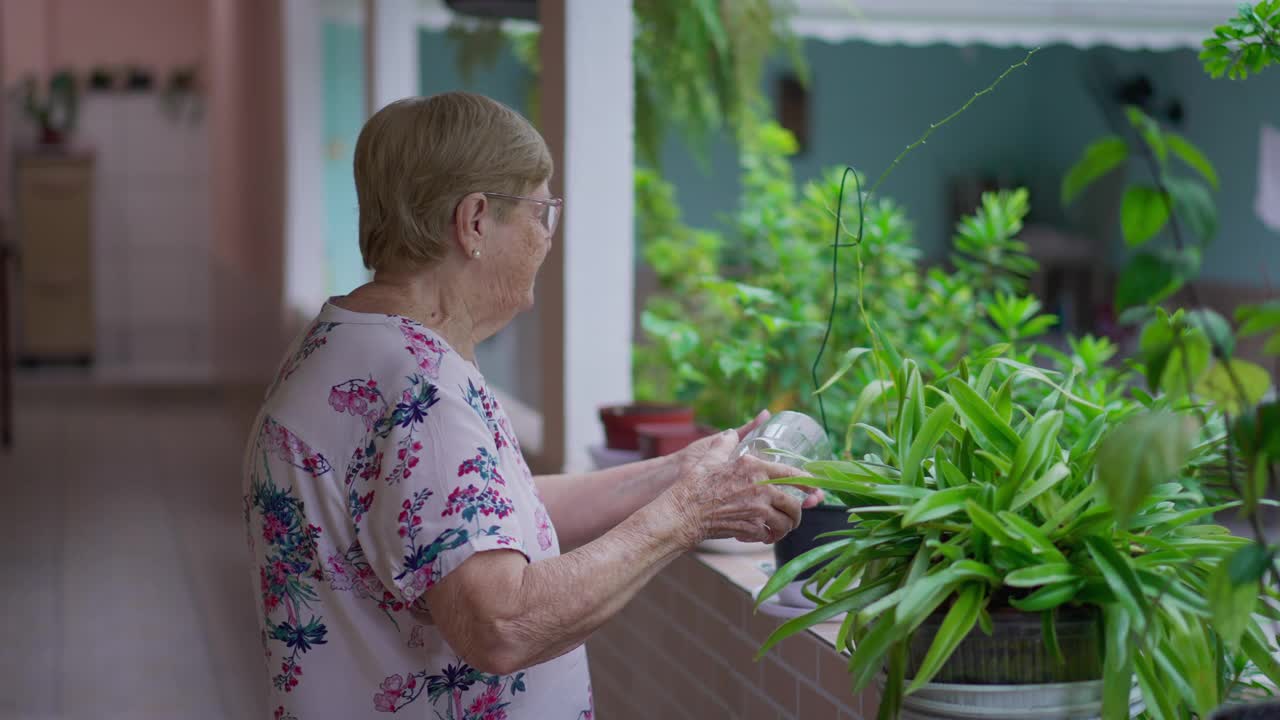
(379,463)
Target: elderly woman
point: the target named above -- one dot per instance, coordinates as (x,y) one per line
(407,560)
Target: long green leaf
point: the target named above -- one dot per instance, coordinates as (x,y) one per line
(1257,648)
(1051,477)
(850,359)
(868,655)
(1039,542)
(945,468)
(982,420)
(1143,214)
(784,575)
(1117,666)
(938,504)
(1037,446)
(923,445)
(1049,573)
(1049,630)
(1232,604)
(821,614)
(1048,597)
(1118,574)
(991,525)
(1158,702)
(955,627)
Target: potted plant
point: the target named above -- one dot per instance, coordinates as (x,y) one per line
(54,109)
(1005,495)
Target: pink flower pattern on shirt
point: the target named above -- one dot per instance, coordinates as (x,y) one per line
(427,351)
(290,448)
(408,488)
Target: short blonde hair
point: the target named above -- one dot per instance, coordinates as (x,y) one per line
(418,157)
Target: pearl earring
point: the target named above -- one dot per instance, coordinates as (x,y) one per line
(475,253)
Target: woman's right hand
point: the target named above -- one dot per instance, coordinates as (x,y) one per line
(719,495)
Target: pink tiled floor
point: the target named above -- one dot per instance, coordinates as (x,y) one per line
(125,592)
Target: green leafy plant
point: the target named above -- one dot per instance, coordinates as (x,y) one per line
(1247,43)
(699,64)
(977,502)
(741,311)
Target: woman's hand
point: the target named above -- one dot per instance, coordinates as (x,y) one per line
(721,496)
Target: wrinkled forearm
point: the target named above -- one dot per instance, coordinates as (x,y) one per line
(561,601)
(585,506)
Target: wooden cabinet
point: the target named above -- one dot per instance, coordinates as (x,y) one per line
(54,233)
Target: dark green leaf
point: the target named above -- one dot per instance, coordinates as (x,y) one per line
(1216,328)
(1054,475)
(1258,648)
(1118,573)
(1143,213)
(1049,630)
(1194,206)
(1048,597)
(1249,563)
(1147,279)
(1100,158)
(869,654)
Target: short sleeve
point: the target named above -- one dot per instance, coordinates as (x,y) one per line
(426,491)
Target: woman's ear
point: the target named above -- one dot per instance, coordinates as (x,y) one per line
(470,219)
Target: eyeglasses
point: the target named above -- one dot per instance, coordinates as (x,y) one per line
(551,208)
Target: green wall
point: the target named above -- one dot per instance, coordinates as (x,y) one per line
(870,101)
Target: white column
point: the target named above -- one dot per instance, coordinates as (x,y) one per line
(305,287)
(395,50)
(587,285)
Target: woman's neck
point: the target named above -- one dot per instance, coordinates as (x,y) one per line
(430,298)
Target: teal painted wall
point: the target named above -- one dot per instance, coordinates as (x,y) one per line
(343,47)
(870,101)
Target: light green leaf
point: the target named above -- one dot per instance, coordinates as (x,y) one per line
(850,359)
(1144,450)
(981,419)
(1150,131)
(1099,159)
(868,655)
(1159,704)
(1037,446)
(938,504)
(1192,156)
(1215,328)
(788,572)
(1258,649)
(1037,575)
(1054,475)
(944,468)
(1035,538)
(925,442)
(955,627)
(1232,604)
(1227,380)
(1143,213)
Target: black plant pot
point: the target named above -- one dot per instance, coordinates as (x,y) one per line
(1254,711)
(814,522)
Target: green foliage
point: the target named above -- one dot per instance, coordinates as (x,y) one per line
(982,498)
(742,310)
(699,64)
(1247,43)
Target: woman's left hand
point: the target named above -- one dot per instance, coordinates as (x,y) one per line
(690,454)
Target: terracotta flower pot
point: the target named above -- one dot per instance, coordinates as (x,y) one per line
(620,421)
(658,439)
